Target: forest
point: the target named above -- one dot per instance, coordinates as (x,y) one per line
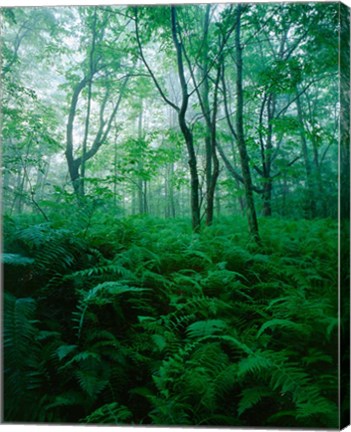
(174,178)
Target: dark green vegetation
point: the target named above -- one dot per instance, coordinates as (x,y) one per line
(170,208)
(142,321)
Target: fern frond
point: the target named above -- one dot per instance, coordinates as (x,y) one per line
(19,326)
(112,268)
(252,396)
(64,350)
(256,362)
(90,383)
(284,323)
(69,398)
(112,413)
(200,329)
(225,380)
(23,370)
(106,292)
(16,259)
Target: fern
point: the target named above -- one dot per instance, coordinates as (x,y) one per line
(111,413)
(91,382)
(140,321)
(205,328)
(16,260)
(288,377)
(23,371)
(100,295)
(101,270)
(284,323)
(251,396)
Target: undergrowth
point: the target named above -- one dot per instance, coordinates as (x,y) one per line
(140,321)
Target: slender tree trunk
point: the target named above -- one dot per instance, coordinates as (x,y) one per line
(181,111)
(319,180)
(309,174)
(42,176)
(134,201)
(73,164)
(142,188)
(87,117)
(6,188)
(167,205)
(211,187)
(251,211)
(145,197)
(17,204)
(267,196)
(218,204)
(169,192)
(115,172)
(187,134)
(207,113)
(267,178)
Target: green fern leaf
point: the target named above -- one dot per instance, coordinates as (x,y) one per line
(112,413)
(64,400)
(106,291)
(90,382)
(250,397)
(16,259)
(257,362)
(159,341)
(205,328)
(64,350)
(304,329)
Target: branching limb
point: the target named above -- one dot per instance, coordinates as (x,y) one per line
(164,97)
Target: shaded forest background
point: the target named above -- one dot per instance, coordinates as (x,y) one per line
(170,208)
(134,106)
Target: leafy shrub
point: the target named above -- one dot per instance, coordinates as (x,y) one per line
(140,321)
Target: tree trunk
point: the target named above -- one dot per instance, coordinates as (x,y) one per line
(267,196)
(181,111)
(211,187)
(188,136)
(87,117)
(218,204)
(244,160)
(115,172)
(169,192)
(311,208)
(210,177)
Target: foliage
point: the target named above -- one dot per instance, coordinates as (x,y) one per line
(163,326)
(144,118)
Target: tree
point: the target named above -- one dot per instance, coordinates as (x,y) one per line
(100,68)
(181,111)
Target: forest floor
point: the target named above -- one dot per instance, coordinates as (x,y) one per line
(141,321)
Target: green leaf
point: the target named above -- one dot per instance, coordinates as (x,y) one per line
(205,328)
(16,259)
(283,323)
(250,397)
(64,350)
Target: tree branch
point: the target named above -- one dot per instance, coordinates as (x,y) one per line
(232,171)
(164,97)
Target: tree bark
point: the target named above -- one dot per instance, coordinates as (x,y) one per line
(212,164)
(214,173)
(87,117)
(181,111)
(74,164)
(244,160)
(188,136)
(309,174)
